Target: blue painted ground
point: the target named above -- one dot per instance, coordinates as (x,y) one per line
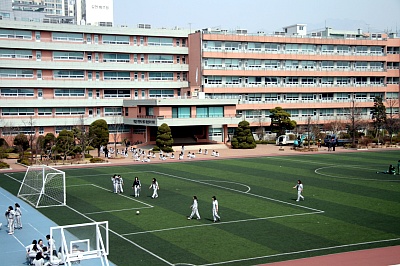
(35,226)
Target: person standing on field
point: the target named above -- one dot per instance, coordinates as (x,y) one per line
(195,209)
(120,184)
(115,183)
(136,186)
(216,217)
(10,217)
(18,214)
(155,187)
(299,187)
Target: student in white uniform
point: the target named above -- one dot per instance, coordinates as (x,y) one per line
(120,184)
(299,187)
(216,217)
(114,182)
(11,219)
(195,209)
(18,214)
(155,187)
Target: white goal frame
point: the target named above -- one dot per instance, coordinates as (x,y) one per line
(43,186)
(94,248)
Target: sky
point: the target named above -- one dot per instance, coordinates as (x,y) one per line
(261,15)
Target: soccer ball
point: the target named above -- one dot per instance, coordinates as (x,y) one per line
(137,212)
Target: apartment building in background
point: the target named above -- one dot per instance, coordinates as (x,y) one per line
(202,84)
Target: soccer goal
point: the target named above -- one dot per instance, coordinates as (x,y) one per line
(81,242)
(43,186)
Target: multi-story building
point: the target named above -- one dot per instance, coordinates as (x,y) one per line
(316,76)
(201,84)
(57,76)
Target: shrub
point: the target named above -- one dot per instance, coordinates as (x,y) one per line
(4,165)
(88,156)
(263,142)
(156,148)
(24,161)
(96,160)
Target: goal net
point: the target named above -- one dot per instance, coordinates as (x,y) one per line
(79,242)
(43,186)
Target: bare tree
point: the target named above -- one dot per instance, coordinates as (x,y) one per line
(116,127)
(392,120)
(335,125)
(355,120)
(260,131)
(81,135)
(30,125)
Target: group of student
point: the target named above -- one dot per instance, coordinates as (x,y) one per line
(195,209)
(118,184)
(38,254)
(136,186)
(13,217)
(391,170)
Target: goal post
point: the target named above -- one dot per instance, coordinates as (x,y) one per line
(43,186)
(79,242)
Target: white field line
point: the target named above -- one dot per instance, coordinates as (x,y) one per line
(215,224)
(352,178)
(238,191)
(304,251)
(221,181)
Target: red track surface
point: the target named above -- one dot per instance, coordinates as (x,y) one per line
(369,257)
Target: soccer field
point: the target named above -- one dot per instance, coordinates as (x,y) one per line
(348,206)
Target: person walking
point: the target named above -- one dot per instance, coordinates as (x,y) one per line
(18,214)
(115,183)
(10,218)
(136,186)
(216,217)
(195,209)
(155,187)
(299,187)
(120,184)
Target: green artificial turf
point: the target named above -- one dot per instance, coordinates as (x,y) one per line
(348,206)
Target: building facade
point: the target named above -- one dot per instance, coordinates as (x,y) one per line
(202,84)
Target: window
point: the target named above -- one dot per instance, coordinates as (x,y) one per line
(161,93)
(253,113)
(327,81)
(254,46)
(307,64)
(392,95)
(61,128)
(214,62)
(117,93)
(307,97)
(70,111)
(254,97)
(11,53)
(376,80)
(113,111)
(342,96)
(213,45)
(213,80)
(16,34)
(69,74)
(255,80)
(307,112)
(231,63)
(361,80)
(15,111)
(291,64)
(68,55)
(45,111)
(158,41)
(163,59)
(361,65)
(202,112)
(326,112)
(19,130)
(215,132)
(271,97)
(292,96)
(377,50)
(376,65)
(113,129)
(343,64)
(69,92)
(293,112)
(231,46)
(361,49)
(292,80)
(16,92)
(181,112)
(272,64)
(292,48)
(327,49)
(271,47)
(16,73)
(251,63)
(327,64)
(117,58)
(343,49)
(114,75)
(69,37)
(161,76)
(115,39)
(271,80)
(342,80)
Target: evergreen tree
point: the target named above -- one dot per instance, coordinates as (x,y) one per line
(243,138)
(280,121)
(378,115)
(99,134)
(164,138)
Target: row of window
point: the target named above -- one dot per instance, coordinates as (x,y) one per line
(80,74)
(313,81)
(293,48)
(48,111)
(106,57)
(107,93)
(87,38)
(275,97)
(293,64)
